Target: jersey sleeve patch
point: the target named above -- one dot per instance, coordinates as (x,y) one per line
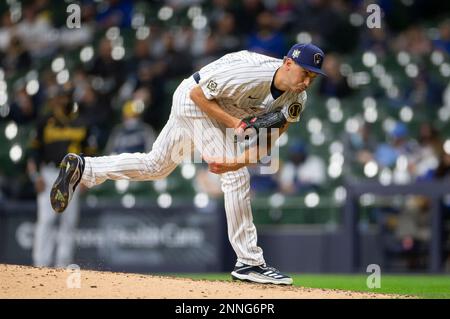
(212,86)
(294,110)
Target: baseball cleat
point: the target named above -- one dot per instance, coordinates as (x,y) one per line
(262,274)
(70,172)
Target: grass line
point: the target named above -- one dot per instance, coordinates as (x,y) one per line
(422,286)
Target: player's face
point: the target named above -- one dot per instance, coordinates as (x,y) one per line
(299,79)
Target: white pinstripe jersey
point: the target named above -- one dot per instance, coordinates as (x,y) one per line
(240,83)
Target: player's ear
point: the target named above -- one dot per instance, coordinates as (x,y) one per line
(288,62)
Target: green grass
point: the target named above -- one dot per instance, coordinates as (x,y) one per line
(422,286)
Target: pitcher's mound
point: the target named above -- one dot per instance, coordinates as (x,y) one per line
(31,282)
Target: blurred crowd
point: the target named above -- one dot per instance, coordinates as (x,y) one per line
(136,52)
(124,62)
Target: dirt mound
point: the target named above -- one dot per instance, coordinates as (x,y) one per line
(31,282)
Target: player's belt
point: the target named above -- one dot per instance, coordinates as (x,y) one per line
(196,77)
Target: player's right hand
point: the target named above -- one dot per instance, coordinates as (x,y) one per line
(219,165)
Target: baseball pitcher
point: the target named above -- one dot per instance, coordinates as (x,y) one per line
(241,91)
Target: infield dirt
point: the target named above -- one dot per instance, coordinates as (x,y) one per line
(31,282)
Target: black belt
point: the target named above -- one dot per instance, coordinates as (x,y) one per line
(196,77)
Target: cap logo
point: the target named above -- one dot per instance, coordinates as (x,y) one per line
(296,53)
(318,59)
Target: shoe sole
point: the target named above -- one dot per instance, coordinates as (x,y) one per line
(248,278)
(60,193)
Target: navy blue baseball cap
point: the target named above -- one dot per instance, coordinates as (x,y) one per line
(307,56)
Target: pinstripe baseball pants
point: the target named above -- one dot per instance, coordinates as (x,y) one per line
(183,132)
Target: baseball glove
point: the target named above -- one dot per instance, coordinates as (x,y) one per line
(274,119)
(250,126)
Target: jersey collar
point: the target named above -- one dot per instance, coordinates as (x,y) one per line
(276,93)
